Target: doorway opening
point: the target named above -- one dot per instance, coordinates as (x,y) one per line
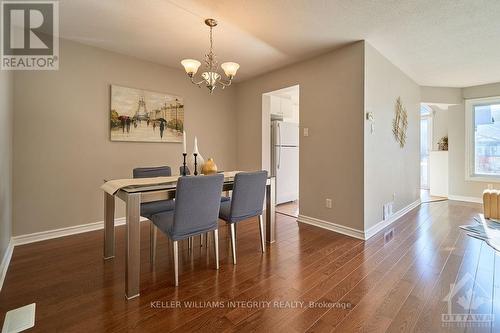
(425,145)
(280,146)
(433,152)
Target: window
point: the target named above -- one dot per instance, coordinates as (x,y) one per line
(483,124)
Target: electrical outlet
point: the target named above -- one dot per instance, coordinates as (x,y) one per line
(328,203)
(490,186)
(306,131)
(388,210)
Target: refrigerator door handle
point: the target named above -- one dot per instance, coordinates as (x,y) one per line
(279,145)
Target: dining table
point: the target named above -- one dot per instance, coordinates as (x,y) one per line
(140,190)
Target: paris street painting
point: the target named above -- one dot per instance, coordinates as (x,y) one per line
(145,116)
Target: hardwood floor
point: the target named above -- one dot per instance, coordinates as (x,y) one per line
(289,208)
(390,284)
(425,196)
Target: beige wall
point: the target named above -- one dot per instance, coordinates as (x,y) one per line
(389,169)
(61,134)
(486,90)
(331,106)
(459,186)
(441,95)
(6,119)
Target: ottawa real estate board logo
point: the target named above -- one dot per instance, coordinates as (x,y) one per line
(30,35)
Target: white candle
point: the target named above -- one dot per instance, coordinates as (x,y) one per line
(184,142)
(195,151)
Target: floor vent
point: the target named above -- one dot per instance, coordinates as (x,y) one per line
(19,319)
(388,236)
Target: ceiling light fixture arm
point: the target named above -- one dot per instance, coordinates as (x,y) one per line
(211,78)
(194,82)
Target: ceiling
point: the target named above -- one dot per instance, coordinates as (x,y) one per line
(453,43)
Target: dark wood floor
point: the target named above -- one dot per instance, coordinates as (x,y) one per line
(395,284)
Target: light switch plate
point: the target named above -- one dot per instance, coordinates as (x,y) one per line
(306,131)
(328,203)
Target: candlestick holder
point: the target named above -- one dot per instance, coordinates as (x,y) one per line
(184,164)
(195,164)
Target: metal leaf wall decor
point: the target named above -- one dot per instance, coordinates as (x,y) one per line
(400,123)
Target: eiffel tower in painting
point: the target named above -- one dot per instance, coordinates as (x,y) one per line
(142,110)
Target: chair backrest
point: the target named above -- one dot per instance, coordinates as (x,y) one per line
(150,172)
(197,203)
(187,170)
(248,194)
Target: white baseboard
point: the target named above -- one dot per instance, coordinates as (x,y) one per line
(4,265)
(364,235)
(466,199)
(73,230)
(396,216)
(50,234)
(331,226)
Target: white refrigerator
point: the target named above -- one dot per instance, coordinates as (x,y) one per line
(285,160)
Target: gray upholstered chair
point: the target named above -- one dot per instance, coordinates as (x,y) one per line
(247,201)
(149,172)
(196,212)
(150,208)
(187,170)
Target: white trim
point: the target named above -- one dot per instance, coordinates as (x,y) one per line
(331,226)
(466,199)
(50,234)
(364,235)
(62,232)
(4,266)
(430,136)
(396,216)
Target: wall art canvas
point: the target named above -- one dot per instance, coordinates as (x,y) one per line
(145,116)
(400,123)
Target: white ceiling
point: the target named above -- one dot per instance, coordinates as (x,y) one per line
(454,43)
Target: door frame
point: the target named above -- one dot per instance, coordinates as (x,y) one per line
(428,117)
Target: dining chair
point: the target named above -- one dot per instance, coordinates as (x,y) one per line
(202,237)
(150,208)
(247,201)
(224,198)
(196,212)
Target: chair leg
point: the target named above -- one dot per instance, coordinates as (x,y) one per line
(190,243)
(152,243)
(262,237)
(176,263)
(233,241)
(201,239)
(216,246)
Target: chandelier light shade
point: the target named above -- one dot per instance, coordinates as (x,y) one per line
(210,77)
(230,68)
(191,66)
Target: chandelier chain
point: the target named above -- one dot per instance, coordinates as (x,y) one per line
(210,59)
(211,78)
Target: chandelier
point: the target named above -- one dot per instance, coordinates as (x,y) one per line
(210,77)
